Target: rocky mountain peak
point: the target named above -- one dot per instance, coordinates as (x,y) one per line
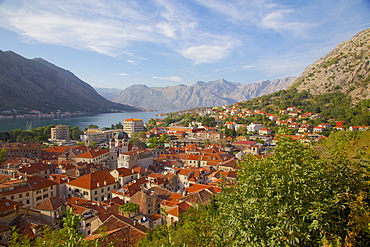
(346,68)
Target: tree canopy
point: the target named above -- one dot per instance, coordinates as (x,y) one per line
(292,197)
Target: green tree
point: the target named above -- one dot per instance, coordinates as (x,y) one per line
(129,208)
(75,133)
(2,155)
(293,197)
(119,125)
(93,126)
(93,144)
(152,121)
(69,235)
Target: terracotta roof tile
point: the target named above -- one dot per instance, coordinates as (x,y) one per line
(37,182)
(94,180)
(51,204)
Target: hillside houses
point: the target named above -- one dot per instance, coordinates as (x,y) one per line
(170,177)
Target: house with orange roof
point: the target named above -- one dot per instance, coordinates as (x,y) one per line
(96,186)
(126,192)
(52,210)
(124,175)
(183,179)
(265,131)
(190,159)
(39,169)
(147,201)
(143,158)
(61,181)
(174,212)
(97,156)
(29,191)
(22,149)
(228,165)
(211,160)
(118,229)
(10,166)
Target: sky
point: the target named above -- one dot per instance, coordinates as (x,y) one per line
(118,43)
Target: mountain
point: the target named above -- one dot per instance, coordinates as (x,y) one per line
(39,85)
(200,94)
(107,93)
(346,68)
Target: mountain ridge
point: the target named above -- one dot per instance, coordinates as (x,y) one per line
(345,68)
(199,94)
(36,84)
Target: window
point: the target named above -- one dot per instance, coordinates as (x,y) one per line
(108,188)
(12,198)
(102,190)
(20,195)
(28,202)
(28,194)
(95,193)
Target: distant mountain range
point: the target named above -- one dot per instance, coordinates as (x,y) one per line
(36,84)
(107,93)
(346,68)
(200,94)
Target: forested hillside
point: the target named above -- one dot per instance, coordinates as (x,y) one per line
(335,105)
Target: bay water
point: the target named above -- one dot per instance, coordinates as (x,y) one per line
(101,120)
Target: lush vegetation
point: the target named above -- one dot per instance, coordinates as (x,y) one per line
(39,135)
(334,105)
(69,235)
(293,197)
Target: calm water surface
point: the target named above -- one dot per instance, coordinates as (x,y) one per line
(102,120)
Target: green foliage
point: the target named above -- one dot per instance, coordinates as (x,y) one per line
(194,229)
(352,144)
(93,144)
(129,207)
(69,235)
(2,155)
(93,126)
(119,125)
(75,133)
(332,61)
(152,121)
(292,197)
(39,135)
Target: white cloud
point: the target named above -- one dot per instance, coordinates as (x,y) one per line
(123,74)
(207,53)
(279,21)
(170,78)
(248,66)
(132,62)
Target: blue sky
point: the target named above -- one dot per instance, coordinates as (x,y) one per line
(117,43)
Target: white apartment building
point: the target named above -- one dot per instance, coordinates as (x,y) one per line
(60,132)
(132,125)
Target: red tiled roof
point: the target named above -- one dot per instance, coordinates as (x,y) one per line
(37,182)
(93,153)
(94,180)
(6,205)
(51,204)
